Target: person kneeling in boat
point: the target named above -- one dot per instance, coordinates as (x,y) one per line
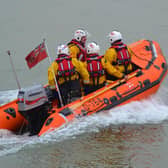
(77,45)
(97,67)
(67,71)
(119,55)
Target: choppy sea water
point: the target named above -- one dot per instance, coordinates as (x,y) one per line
(131,135)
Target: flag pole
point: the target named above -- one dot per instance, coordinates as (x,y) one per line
(17,81)
(56,83)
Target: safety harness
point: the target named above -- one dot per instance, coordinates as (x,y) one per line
(82,55)
(95,67)
(65,67)
(123,56)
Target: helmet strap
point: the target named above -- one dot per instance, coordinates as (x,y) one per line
(115,42)
(62,55)
(92,55)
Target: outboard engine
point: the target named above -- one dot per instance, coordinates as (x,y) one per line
(34,105)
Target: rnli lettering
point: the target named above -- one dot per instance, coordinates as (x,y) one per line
(93,104)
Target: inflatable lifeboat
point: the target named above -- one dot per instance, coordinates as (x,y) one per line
(149,70)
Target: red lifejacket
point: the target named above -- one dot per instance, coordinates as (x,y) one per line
(123,56)
(82,55)
(65,66)
(94,65)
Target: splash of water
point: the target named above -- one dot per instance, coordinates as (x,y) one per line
(152,110)
(7,96)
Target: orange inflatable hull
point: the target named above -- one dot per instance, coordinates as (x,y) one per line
(10,118)
(149,71)
(141,83)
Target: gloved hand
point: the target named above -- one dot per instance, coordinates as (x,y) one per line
(126,77)
(86,81)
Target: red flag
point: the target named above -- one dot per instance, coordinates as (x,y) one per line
(36,55)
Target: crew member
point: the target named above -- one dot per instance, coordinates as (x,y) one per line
(77,45)
(67,71)
(97,67)
(119,55)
